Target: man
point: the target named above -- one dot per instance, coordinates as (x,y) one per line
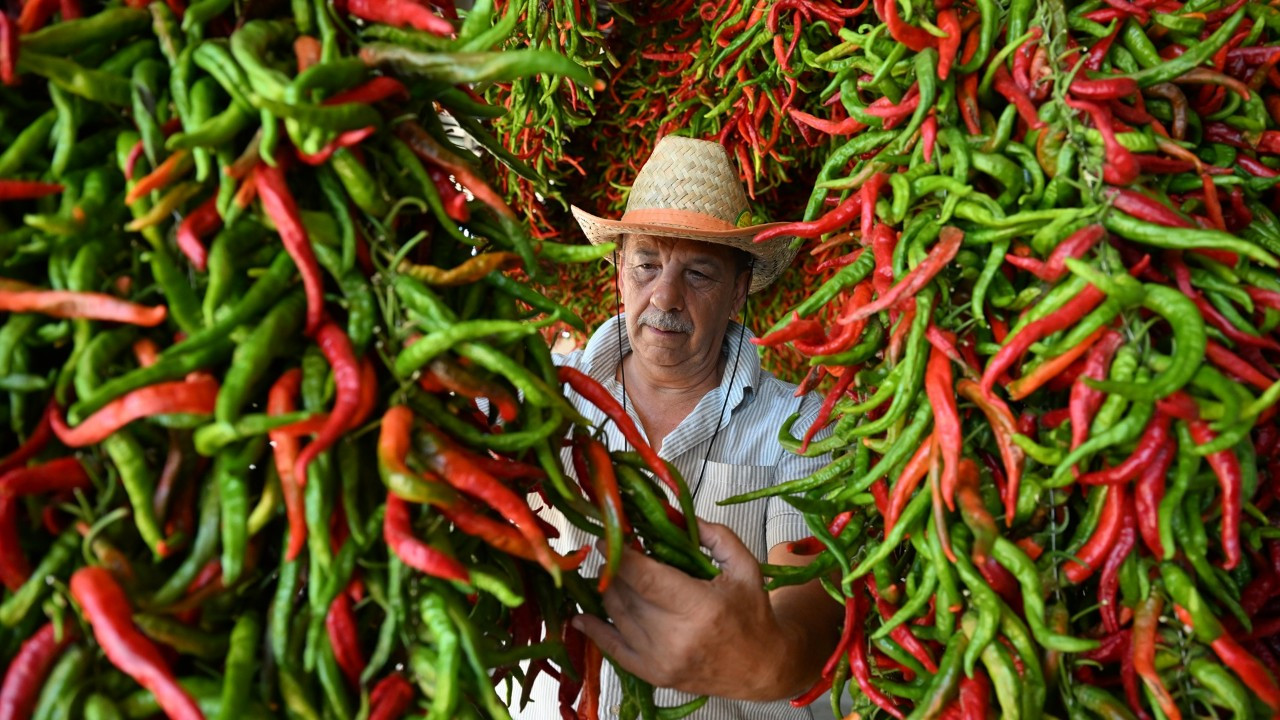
(690,378)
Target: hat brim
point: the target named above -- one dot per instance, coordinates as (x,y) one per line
(772,256)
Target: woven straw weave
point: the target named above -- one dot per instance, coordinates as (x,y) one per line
(688,175)
(692,175)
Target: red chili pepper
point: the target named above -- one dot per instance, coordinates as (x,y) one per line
(108,612)
(929,135)
(1146,621)
(340,623)
(919,276)
(813,546)
(1109,583)
(1111,648)
(1242,663)
(1235,365)
(1005,85)
(34,443)
(847,126)
(1014,348)
(1148,491)
(455,201)
(1049,369)
(1255,168)
(9,45)
(347,380)
(195,397)
(400,13)
(1211,202)
(280,206)
(967,96)
(1212,316)
(1226,466)
(1151,442)
(18,297)
(1120,167)
(28,670)
(916,39)
(905,486)
(975,696)
(27,189)
(595,393)
(902,634)
(194,227)
(453,465)
(393,447)
(820,687)
(859,667)
(883,240)
(1003,426)
(36,14)
(938,385)
(375,90)
(842,215)
(1268,298)
(397,531)
(347,139)
(1099,50)
(1103,539)
(391,698)
(285,446)
(593,661)
(844,336)
(948,47)
(797,329)
(870,191)
(605,485)
(1074,246)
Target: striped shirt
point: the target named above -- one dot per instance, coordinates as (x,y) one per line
(745,456)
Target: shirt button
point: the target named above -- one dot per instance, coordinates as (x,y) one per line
(615,709)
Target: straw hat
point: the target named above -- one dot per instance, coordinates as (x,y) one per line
(689,189)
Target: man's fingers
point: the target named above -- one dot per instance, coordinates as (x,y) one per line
(655,583)
(726,548)
(609,640)
(629,612)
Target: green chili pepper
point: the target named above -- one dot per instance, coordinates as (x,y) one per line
(1016,561)
(252,357)
(203,548)
(128,456)
(100,86)
(66,673)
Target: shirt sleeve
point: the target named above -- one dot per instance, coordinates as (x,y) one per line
(783,523)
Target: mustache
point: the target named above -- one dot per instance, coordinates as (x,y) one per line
(664,321)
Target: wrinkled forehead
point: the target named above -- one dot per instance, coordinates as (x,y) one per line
(682,247)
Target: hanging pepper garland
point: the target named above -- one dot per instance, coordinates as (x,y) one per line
(1038,292)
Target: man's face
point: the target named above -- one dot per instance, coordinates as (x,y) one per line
(679,295)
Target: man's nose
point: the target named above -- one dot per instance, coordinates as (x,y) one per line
(668,293)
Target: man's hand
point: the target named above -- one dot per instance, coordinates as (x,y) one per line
(719,637)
